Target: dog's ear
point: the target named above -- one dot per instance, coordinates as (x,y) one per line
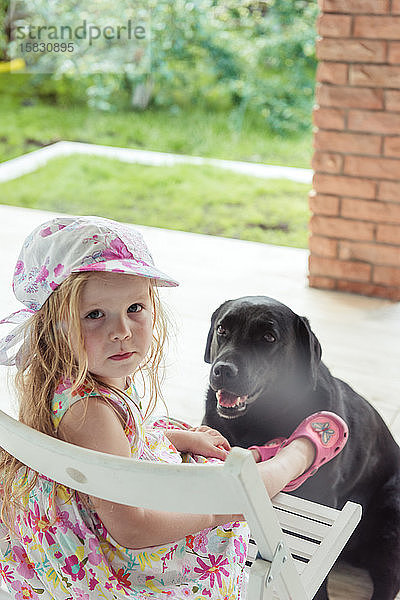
(311,347)
(207,353)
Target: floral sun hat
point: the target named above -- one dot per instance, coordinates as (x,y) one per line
(68,245)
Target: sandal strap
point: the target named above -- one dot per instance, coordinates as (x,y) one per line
(270,449)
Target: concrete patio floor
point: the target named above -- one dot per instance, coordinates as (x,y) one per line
(359,336)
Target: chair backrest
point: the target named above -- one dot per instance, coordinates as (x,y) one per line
(197,489)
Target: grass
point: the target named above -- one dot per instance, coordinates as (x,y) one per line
(200,199)
(28,123)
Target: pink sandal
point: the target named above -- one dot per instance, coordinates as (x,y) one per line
(328,432)
(268,450)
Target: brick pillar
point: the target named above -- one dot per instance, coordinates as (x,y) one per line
(355,226)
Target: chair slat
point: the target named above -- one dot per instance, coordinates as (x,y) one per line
(302,525)
(302,548)
(306,508)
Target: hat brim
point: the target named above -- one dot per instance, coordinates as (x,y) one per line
(130,267)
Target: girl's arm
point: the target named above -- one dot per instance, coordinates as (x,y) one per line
(94,424)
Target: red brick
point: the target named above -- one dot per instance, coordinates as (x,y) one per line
(389,190)
(394,53)
(347,142)
(364,166)
(384,28)
(375,254)
(387,275)
(395,7)
(378,212)
(388,234)
(341,228)
(332,72)
(351,50)
(322,283)
(348,96)
(392,100)
(345,269)
(368,289)
(375,75)
(322,246)
(392,146)
(344,186)
(355,6)
(328,118)
(323,204)
(327,162)
(334,25)
(374,122)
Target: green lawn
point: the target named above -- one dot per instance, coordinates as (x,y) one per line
(200,199)
(28,122)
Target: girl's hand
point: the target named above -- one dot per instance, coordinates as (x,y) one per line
(201,440)
(211,443)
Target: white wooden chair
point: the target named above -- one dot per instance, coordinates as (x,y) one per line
(298,540)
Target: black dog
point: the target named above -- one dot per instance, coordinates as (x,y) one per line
(266,377)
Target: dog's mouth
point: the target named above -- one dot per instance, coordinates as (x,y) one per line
(229,405)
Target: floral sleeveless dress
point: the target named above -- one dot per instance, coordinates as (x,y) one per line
(75,558)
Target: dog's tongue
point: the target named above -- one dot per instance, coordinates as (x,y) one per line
(229,400)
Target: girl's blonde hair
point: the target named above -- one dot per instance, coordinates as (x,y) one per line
(46,357)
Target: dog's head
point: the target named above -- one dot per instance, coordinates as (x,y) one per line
(258,347)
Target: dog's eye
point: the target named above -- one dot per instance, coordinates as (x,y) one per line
(269,337)
(221,330)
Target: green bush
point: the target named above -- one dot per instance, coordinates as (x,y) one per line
(4,33)
(234,54)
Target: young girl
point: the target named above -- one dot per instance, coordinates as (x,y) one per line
(92,323)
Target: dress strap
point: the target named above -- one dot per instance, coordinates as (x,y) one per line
(64,398)
(127,405)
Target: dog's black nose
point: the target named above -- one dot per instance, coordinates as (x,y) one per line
(223,373)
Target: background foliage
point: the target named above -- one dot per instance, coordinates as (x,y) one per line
(236,56)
